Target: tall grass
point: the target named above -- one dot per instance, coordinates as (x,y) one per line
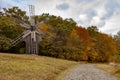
(31,67)
(113,69)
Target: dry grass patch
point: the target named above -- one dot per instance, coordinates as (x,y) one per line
(113,69)
(31,67)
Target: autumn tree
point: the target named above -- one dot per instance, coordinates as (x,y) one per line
(107,47)
(84,40)
(117,41)
(58,30)
(103,46)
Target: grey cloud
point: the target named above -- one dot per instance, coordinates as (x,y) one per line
(90,13)
(111,31)
(79,1)
(112,7)
(63,6)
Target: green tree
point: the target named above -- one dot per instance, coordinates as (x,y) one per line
(9,23)
(9,28)
(92,30)
(16,13)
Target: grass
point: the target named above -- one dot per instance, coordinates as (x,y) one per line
(113,69)
(31,67)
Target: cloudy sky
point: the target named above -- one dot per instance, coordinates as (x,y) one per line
(105,14)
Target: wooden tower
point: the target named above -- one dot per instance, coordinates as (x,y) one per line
(32,35)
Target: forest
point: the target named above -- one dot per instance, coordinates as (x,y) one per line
(62,39)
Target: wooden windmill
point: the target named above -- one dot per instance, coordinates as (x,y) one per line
(32,35)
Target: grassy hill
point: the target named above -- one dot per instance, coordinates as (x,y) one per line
(31,67)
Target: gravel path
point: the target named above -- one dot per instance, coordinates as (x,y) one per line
(88,72)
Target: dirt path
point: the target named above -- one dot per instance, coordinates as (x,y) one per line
(88,72)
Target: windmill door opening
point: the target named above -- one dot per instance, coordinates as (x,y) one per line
(22,48)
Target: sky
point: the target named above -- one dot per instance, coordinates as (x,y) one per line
(105,14)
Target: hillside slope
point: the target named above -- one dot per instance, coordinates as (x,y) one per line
(31,67)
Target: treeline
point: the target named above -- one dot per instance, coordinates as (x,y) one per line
(62,39)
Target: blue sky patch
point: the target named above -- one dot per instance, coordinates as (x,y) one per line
(79,1)
(17,0)
(111,8)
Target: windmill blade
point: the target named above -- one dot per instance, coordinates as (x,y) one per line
(27,26)
(38,24)
(20,22)
(15,20)
(41,22)
(26,34)
(39,31)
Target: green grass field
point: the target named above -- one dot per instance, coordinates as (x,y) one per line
(31,67)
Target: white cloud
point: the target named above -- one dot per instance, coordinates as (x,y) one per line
(83,17)
(97,21)
(112,25)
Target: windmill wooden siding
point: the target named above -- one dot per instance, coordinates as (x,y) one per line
(32,40)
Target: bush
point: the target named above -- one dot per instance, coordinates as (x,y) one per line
(22,50)
(5,43)
(117,58)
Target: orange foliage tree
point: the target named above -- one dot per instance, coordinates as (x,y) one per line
(103,47)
